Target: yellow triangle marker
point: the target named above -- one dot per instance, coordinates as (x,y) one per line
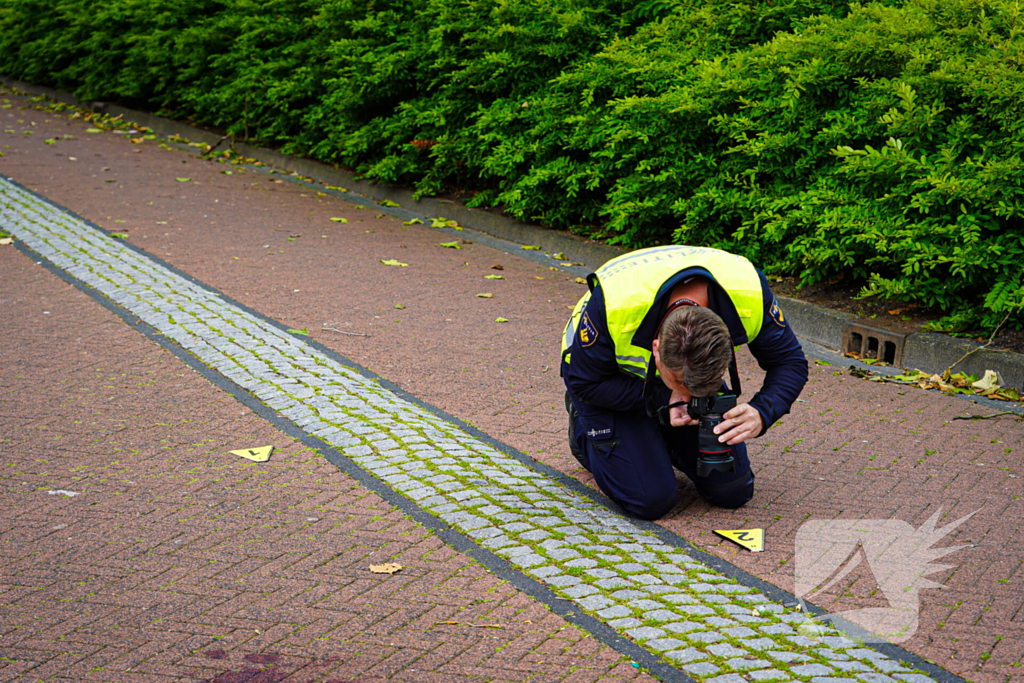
(261,454)
(751,539)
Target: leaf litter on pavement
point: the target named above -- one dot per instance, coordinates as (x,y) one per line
(949,383)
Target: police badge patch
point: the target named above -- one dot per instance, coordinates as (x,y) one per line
(588,333)
(776,313)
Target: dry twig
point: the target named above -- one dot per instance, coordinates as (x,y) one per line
(987,417)
(351,334)
(983,346)
(455,623)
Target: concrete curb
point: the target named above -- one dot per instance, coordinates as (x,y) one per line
(926,351)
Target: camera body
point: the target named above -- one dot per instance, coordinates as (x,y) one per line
(713,455)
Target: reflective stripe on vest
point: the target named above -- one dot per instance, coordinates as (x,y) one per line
(630,284)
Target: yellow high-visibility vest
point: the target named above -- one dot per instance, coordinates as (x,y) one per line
(631,283)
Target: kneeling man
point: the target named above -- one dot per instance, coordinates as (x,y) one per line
(658,328)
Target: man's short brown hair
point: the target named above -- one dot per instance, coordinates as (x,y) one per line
(694,345)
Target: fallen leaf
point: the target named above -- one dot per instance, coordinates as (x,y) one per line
(988,383)
(51,141)
(560,256)
(5,241)
(414,221)
(399,306)
(530,247)
(299,331)
(494,277)
(497,267)
(450,245)
(487,295)
(442,222)
(388,202)
(537,277)
(1006,394)
(184,180)
(119,235)
(386,568)
(337,219)
(335,187)
(93,130)
(501,320)
(581,280)
(393,262)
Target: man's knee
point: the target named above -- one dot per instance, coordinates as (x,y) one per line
(730,494)
(651,508)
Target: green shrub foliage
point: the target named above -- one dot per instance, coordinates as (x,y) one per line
(881,141)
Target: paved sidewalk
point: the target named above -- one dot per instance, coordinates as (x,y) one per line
(503,378)
(136,548)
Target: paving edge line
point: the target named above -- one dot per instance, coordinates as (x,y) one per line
(457,540)
(928,351)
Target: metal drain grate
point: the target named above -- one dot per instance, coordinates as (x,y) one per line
(872,342)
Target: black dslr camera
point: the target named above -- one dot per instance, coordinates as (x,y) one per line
(712,455)
(708,410)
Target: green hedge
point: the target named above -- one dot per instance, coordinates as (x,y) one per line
(882,142)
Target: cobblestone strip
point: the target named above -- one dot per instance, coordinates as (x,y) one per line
(703,622)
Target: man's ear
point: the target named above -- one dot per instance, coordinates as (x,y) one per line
(657,356)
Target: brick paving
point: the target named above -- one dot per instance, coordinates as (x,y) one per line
(508,387)
(175,560)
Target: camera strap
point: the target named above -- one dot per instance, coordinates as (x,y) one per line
(734,376)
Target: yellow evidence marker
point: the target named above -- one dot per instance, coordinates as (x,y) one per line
(261,454)
(751,539)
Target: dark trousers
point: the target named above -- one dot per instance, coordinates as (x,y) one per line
(631,456)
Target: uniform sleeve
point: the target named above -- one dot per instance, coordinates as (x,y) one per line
(779,354)
(592,374)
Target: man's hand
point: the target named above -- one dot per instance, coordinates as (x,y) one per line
(678,416)
(740,423)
